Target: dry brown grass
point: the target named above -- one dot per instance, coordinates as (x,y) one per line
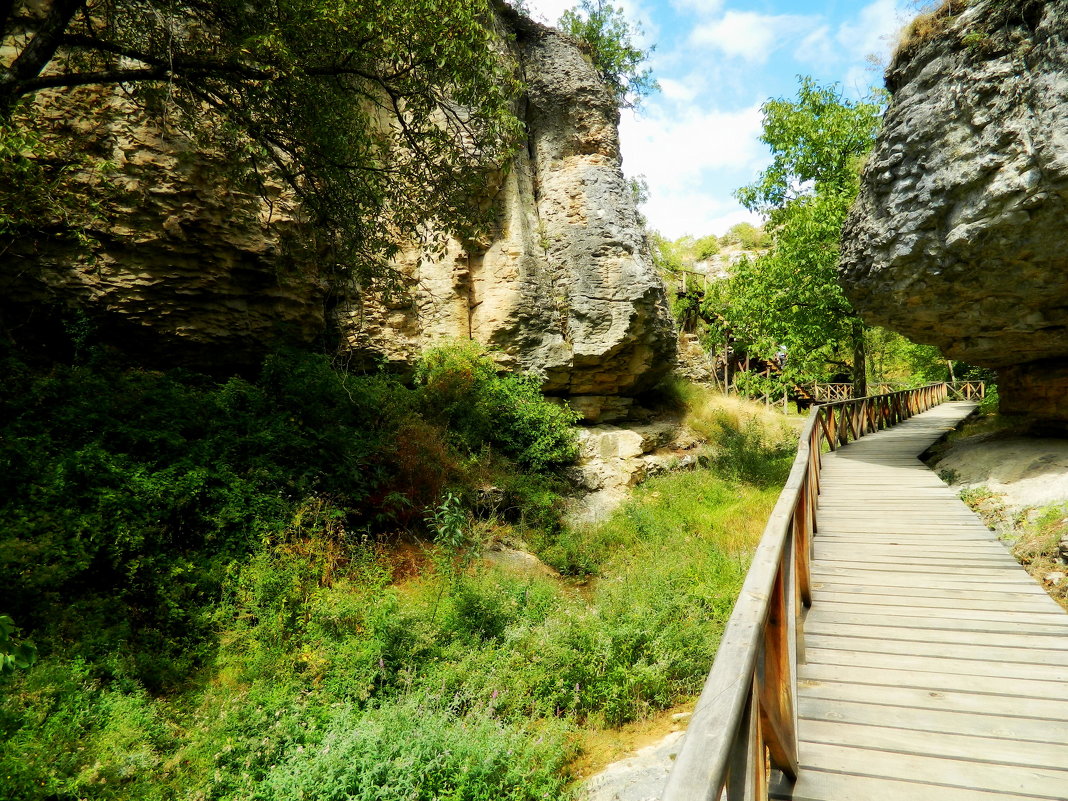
(1036,548)
(928,25)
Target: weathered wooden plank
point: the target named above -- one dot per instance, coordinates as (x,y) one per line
(892,577)
(937,664)
(949,700)
(931,681)
(1000,727)
(817,785)
(964,616)
(965,774)
(962,604)
(939,744)
(965,652)
(1021,623)
(1022,598)
(1010,638)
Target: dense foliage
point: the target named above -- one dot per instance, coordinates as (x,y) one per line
(788,299)
(380,117)
(610,37)
(212,574)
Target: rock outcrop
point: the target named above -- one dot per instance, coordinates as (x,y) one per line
(957,236)
(566,287)
(174,259)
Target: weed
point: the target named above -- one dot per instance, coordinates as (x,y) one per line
(989,505)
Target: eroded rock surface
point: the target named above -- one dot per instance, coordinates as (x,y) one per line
(196,272)
(567,286)
(957,237)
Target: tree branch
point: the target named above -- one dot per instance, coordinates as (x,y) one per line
(38,52)
(7,10)
(94,78)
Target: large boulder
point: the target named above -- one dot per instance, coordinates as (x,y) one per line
(957,237)
(177,263)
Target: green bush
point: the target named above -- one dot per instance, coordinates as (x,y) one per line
(462,390)
(414,751)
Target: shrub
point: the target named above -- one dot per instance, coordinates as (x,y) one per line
(415,751)
(462,391)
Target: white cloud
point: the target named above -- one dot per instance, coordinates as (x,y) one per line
(875,30)
(674,149)
(707,7)
(818,47)
(692,161)
(749,35)
(677,90)
(872,32)
(549,11)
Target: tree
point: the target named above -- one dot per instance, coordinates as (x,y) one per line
(605,29)
(788,298)
(381,117)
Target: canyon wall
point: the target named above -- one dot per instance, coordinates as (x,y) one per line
(169,260)
(957,237)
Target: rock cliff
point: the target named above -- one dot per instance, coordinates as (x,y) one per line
(173,258)
(957,237)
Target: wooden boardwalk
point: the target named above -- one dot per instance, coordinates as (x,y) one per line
(935,668)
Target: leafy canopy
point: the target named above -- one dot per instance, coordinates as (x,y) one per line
(379,116)
(788,297)
(610,37)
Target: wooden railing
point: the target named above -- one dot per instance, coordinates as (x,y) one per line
(958,390)
(967,390)
(745,722)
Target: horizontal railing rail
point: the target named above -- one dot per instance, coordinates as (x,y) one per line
(967,390)
(745,721)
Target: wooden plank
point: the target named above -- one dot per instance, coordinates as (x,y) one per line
(939,744)
(929,680)
(1000,727)
(962,604)
(863,567)
(936,664)
(960,651)
(1011,638)
(817,785)
(966,774)
(964,617)
(890,577)
(1017,598)
(950,700)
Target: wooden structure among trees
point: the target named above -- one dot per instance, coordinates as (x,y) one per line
(930,665)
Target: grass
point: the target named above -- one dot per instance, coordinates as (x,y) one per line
(308,663)
(927,25)
(1036,546)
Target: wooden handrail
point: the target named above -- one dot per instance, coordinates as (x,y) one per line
(746,717)
(967,390)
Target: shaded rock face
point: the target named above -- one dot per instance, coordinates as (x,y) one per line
(566,287)
(196,272)
(957,237)
(168,259)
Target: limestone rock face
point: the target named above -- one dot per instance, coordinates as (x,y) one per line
(566,287)
(166,258)
(197,273)
(957,237)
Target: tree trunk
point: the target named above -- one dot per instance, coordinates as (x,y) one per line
(949,364)
(860,361)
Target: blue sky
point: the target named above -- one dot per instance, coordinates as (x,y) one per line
(717,61)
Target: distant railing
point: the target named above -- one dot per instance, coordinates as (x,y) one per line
(746,718)
(958,390)
(967,390)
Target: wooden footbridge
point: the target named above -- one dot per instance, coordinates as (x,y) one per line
(885,646)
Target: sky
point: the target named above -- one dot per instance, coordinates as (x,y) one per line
(717,61)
